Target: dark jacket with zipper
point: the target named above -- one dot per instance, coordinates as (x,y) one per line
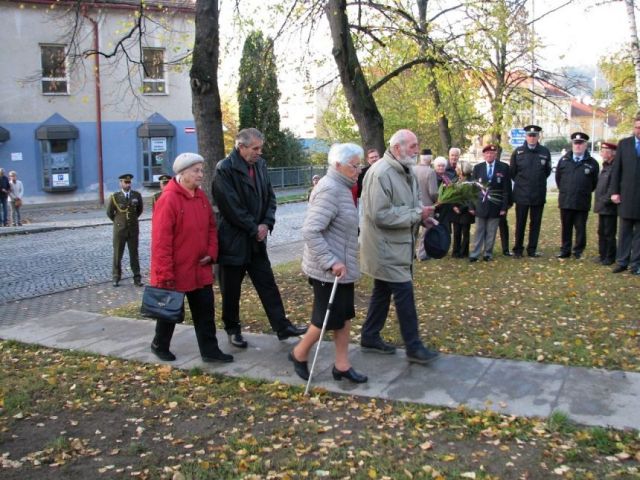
(529,169)
(243,205)
(576,181)
(603,204)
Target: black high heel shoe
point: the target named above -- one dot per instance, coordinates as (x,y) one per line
(350,374)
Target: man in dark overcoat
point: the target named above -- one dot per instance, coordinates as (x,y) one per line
(243,193)
(607,210)
(576,178)
(530,165)
(123,209)
(625,191)
(491,204)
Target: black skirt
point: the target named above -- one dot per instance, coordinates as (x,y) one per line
(343,304)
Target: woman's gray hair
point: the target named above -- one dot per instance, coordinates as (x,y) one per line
(440,161)
(245,136)
(341,153)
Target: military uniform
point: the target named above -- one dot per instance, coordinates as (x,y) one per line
(163,179)
(124,209)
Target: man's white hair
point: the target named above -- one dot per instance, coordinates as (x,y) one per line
(455,150)
(399,138)
(440,161)
(342,153)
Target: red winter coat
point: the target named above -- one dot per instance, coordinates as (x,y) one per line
(183,230)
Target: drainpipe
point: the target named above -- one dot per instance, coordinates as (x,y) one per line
(96,72)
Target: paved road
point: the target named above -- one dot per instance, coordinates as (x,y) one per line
(55,261)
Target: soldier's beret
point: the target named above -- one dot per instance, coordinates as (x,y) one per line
(437,241)
(489,148)
(579,137)
(532,129)
(126,176)
(610,146)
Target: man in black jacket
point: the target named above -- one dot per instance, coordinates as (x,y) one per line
(492,204)
(576,177)
(625,191)
(243,193)
(530,165)
(607,210)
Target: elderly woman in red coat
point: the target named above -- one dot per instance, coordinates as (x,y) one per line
(184,246)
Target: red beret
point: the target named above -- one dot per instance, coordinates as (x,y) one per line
(490,148)
(610,146)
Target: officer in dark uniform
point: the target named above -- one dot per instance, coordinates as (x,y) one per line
(576,177)
(124,208)
(530,165)
(163,179)
(607,210)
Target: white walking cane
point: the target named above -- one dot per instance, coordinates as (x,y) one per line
(324,326)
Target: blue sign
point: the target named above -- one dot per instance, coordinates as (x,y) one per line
(516,136)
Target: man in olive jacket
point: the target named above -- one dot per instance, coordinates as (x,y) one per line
(625,191)
(576,177)
(392,214)
(247,204)
(530,165)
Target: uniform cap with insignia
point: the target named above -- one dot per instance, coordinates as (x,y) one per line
(610,146)
(533,130)
(490,148)
(164,178)
(126,176)
(579,137)
(426,151)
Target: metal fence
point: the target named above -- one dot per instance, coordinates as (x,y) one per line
(295,176)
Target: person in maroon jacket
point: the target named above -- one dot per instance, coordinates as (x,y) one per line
(184,246)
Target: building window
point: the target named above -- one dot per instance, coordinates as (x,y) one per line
(154,81)
(54,70)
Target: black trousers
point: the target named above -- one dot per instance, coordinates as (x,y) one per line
(261,275)
(203,313)
(573,220)
(607,225)
(534,212)
(503,227)
(629,243)
(461,238)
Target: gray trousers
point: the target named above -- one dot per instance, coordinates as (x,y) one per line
(485,236)
(629,243)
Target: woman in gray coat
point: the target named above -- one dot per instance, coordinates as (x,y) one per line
(330,233)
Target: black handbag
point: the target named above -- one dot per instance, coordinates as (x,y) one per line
(161,304)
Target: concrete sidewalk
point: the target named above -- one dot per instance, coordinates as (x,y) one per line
(589,396)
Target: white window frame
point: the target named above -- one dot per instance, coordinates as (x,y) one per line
(44,79)
(153,81)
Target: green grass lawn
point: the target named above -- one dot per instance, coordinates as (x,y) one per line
(547,310)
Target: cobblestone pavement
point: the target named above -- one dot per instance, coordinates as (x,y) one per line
(71,268)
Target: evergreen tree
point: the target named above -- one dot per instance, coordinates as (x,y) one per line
(258,93)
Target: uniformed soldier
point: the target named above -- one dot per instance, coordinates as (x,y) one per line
(164,180)
(576,177)
(124,208)
(530,165)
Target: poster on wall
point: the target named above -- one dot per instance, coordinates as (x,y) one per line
(158,144)
(60,180)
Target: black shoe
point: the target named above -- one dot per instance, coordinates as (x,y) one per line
(217,356)
(378,346)
(608,262)
(291,331)
(486,258)
(116,283)
(472,259)
(422,356)
(635,272)
(350,374)
(507,253)
(535,255)
(165,355)
(578,256)
(301,368)
(517,255)
(618,268)
(237,340)
(563,255)
(138,283)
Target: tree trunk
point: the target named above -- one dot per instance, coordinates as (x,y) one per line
(204,88)
(635,48)
(359,97)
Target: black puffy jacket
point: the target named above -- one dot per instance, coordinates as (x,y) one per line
(529,170)
(576,181)
(243,206)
